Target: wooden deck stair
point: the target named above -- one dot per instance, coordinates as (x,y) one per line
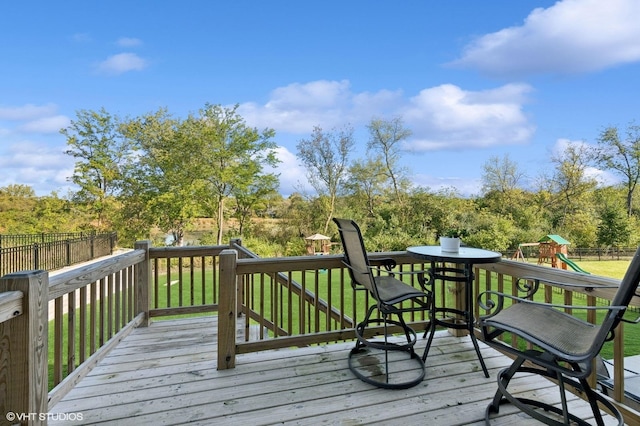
(166,374)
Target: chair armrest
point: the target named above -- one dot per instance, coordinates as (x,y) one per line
(585,287)
(494,306)
(423,276)
(386,262)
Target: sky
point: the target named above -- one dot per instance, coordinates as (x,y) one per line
(472,80)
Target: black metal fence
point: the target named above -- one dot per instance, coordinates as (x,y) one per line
(43,251)
(14,240)
(580,253)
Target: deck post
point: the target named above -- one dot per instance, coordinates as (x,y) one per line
(618,363)
(227,307)
(237,242)
(24,350)
(143,282)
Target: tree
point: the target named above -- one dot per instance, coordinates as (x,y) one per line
(621,156)
(95,141)
(500,175)
(613,230)
(18,191)
(156,187)
(325,156)
(572,186)
(249,198)
(385,137)
(229,157)
(366,182)
(17,204)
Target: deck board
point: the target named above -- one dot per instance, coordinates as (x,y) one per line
(166,374)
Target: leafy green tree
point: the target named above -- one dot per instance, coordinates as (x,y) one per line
(96,143)
(501,175)
(385,139)
(298,212)
(17,191)
(224,156)
(366,184)
(156,182)
(489,231)
(622,157)
(253,197)
(614,227)
(325,156)
(55,214)
(572,187)
(17,203)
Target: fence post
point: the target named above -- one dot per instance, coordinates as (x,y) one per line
(227,310)
(36,256)
(143,282)
(24,349)
(112,242)
(68,246)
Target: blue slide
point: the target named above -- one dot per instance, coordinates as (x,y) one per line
(571,263)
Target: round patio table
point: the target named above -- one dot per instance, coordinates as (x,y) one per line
(462,271)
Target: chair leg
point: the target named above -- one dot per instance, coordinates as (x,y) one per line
(504,377)
(592,398)
(563,397)
(431,329)
(532,407)
(386,351)
(360,359)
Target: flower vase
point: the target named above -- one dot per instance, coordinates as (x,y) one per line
(450,244)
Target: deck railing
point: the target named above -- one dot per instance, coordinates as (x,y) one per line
(283,302)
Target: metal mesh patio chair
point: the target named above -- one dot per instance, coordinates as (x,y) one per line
(559,346)
(392,297)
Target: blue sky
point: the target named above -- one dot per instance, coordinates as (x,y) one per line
(471,79)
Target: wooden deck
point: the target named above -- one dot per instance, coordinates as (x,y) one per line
(166,374)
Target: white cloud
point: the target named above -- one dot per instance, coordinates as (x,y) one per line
(561,145)
(292,174)
(442,117)
(27,112)
(32,150)
(447,117)
(82,38)
(45,168)
(297,108)
(129,42)
(51,124)
(569,37)
(29,154)
(121,63)
(32,118)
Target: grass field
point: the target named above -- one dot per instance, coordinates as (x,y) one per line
(605,268)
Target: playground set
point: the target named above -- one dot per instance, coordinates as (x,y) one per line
(553,249)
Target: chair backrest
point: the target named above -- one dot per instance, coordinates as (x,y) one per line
(628,286)
(355,255)
(627,290)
